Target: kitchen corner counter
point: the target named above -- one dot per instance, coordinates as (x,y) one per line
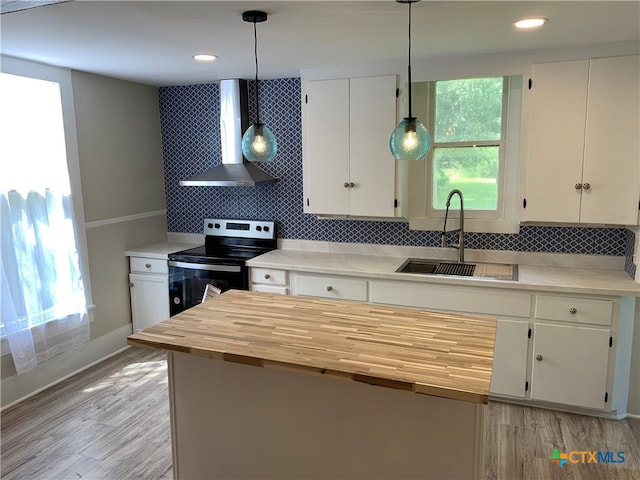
(159,250)
(541,278)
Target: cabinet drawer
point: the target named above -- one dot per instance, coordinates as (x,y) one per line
(330,287)
(268,276)
(574,309)
(148,265)
(451,298)
(277,289)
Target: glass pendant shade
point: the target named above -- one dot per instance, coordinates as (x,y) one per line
(410,140)
(259,144)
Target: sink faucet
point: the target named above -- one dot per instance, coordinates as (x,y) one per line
(460,244)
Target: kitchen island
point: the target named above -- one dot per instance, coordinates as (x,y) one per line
(346,389)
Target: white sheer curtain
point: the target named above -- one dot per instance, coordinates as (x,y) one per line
(43,299)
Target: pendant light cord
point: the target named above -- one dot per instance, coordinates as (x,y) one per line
(409,67)
(255,48)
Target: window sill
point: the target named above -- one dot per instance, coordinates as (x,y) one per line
(481,225)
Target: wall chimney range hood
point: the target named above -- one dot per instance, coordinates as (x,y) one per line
(234,171)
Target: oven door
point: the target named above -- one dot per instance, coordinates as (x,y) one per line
(188,281)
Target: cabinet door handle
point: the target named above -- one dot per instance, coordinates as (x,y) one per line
(578,186)
(147,265)
(346,184)
(267,276)
(573,310)
(351,184)
(130,284)
(586,186)
(539,357)
(329,288)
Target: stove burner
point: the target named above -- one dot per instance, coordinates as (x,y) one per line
(202,254)
(231,241)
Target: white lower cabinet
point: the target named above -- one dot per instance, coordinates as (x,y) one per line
(329,286)
(570,365)
(551,349)
(509,376)
(269,280)
(149,289)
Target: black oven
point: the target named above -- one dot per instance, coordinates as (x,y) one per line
(219,262)
(188,281)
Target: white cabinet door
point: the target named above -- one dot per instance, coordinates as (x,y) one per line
(583,147)
(149,299)
(570,365)
(348,168)
(510,359)
(557,111)
(612,152)
(372,167)
(326,147)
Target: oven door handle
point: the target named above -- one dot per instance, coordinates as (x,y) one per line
(210,268)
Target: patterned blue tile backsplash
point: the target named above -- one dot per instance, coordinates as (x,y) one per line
(191,144)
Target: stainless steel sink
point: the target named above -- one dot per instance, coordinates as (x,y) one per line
(498,271)
(414,265)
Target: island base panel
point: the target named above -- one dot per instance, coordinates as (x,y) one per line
(238,421)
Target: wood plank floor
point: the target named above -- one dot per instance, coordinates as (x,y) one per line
(111,422)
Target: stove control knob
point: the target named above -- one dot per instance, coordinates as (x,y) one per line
(217,225)
(265,228)
(259,228)
(209,225)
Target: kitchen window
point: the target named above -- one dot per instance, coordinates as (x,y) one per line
(468,143)
(475,127)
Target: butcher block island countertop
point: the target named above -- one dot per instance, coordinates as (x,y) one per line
(438,354)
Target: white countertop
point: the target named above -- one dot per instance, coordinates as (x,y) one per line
(159,250)
(558,279)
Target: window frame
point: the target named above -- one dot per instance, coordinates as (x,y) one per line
(24,68)
(417,174)
(433,212)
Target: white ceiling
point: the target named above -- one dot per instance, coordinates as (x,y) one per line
(152,41)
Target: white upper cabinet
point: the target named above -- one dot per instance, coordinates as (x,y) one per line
(612,142)
(583,156)
(348,168)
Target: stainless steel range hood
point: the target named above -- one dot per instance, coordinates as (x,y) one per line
(234,171)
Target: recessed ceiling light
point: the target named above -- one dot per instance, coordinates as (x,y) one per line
(204,57)
(530,22)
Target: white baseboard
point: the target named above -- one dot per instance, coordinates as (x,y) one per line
(20,387)
(633,415)
(612,415)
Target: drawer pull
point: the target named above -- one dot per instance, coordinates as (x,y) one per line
(130,284)
(539,357)
(267,276)
(329,288)
(147,265)
(573,310)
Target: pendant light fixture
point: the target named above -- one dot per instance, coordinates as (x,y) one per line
(410,140)
(258,143)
